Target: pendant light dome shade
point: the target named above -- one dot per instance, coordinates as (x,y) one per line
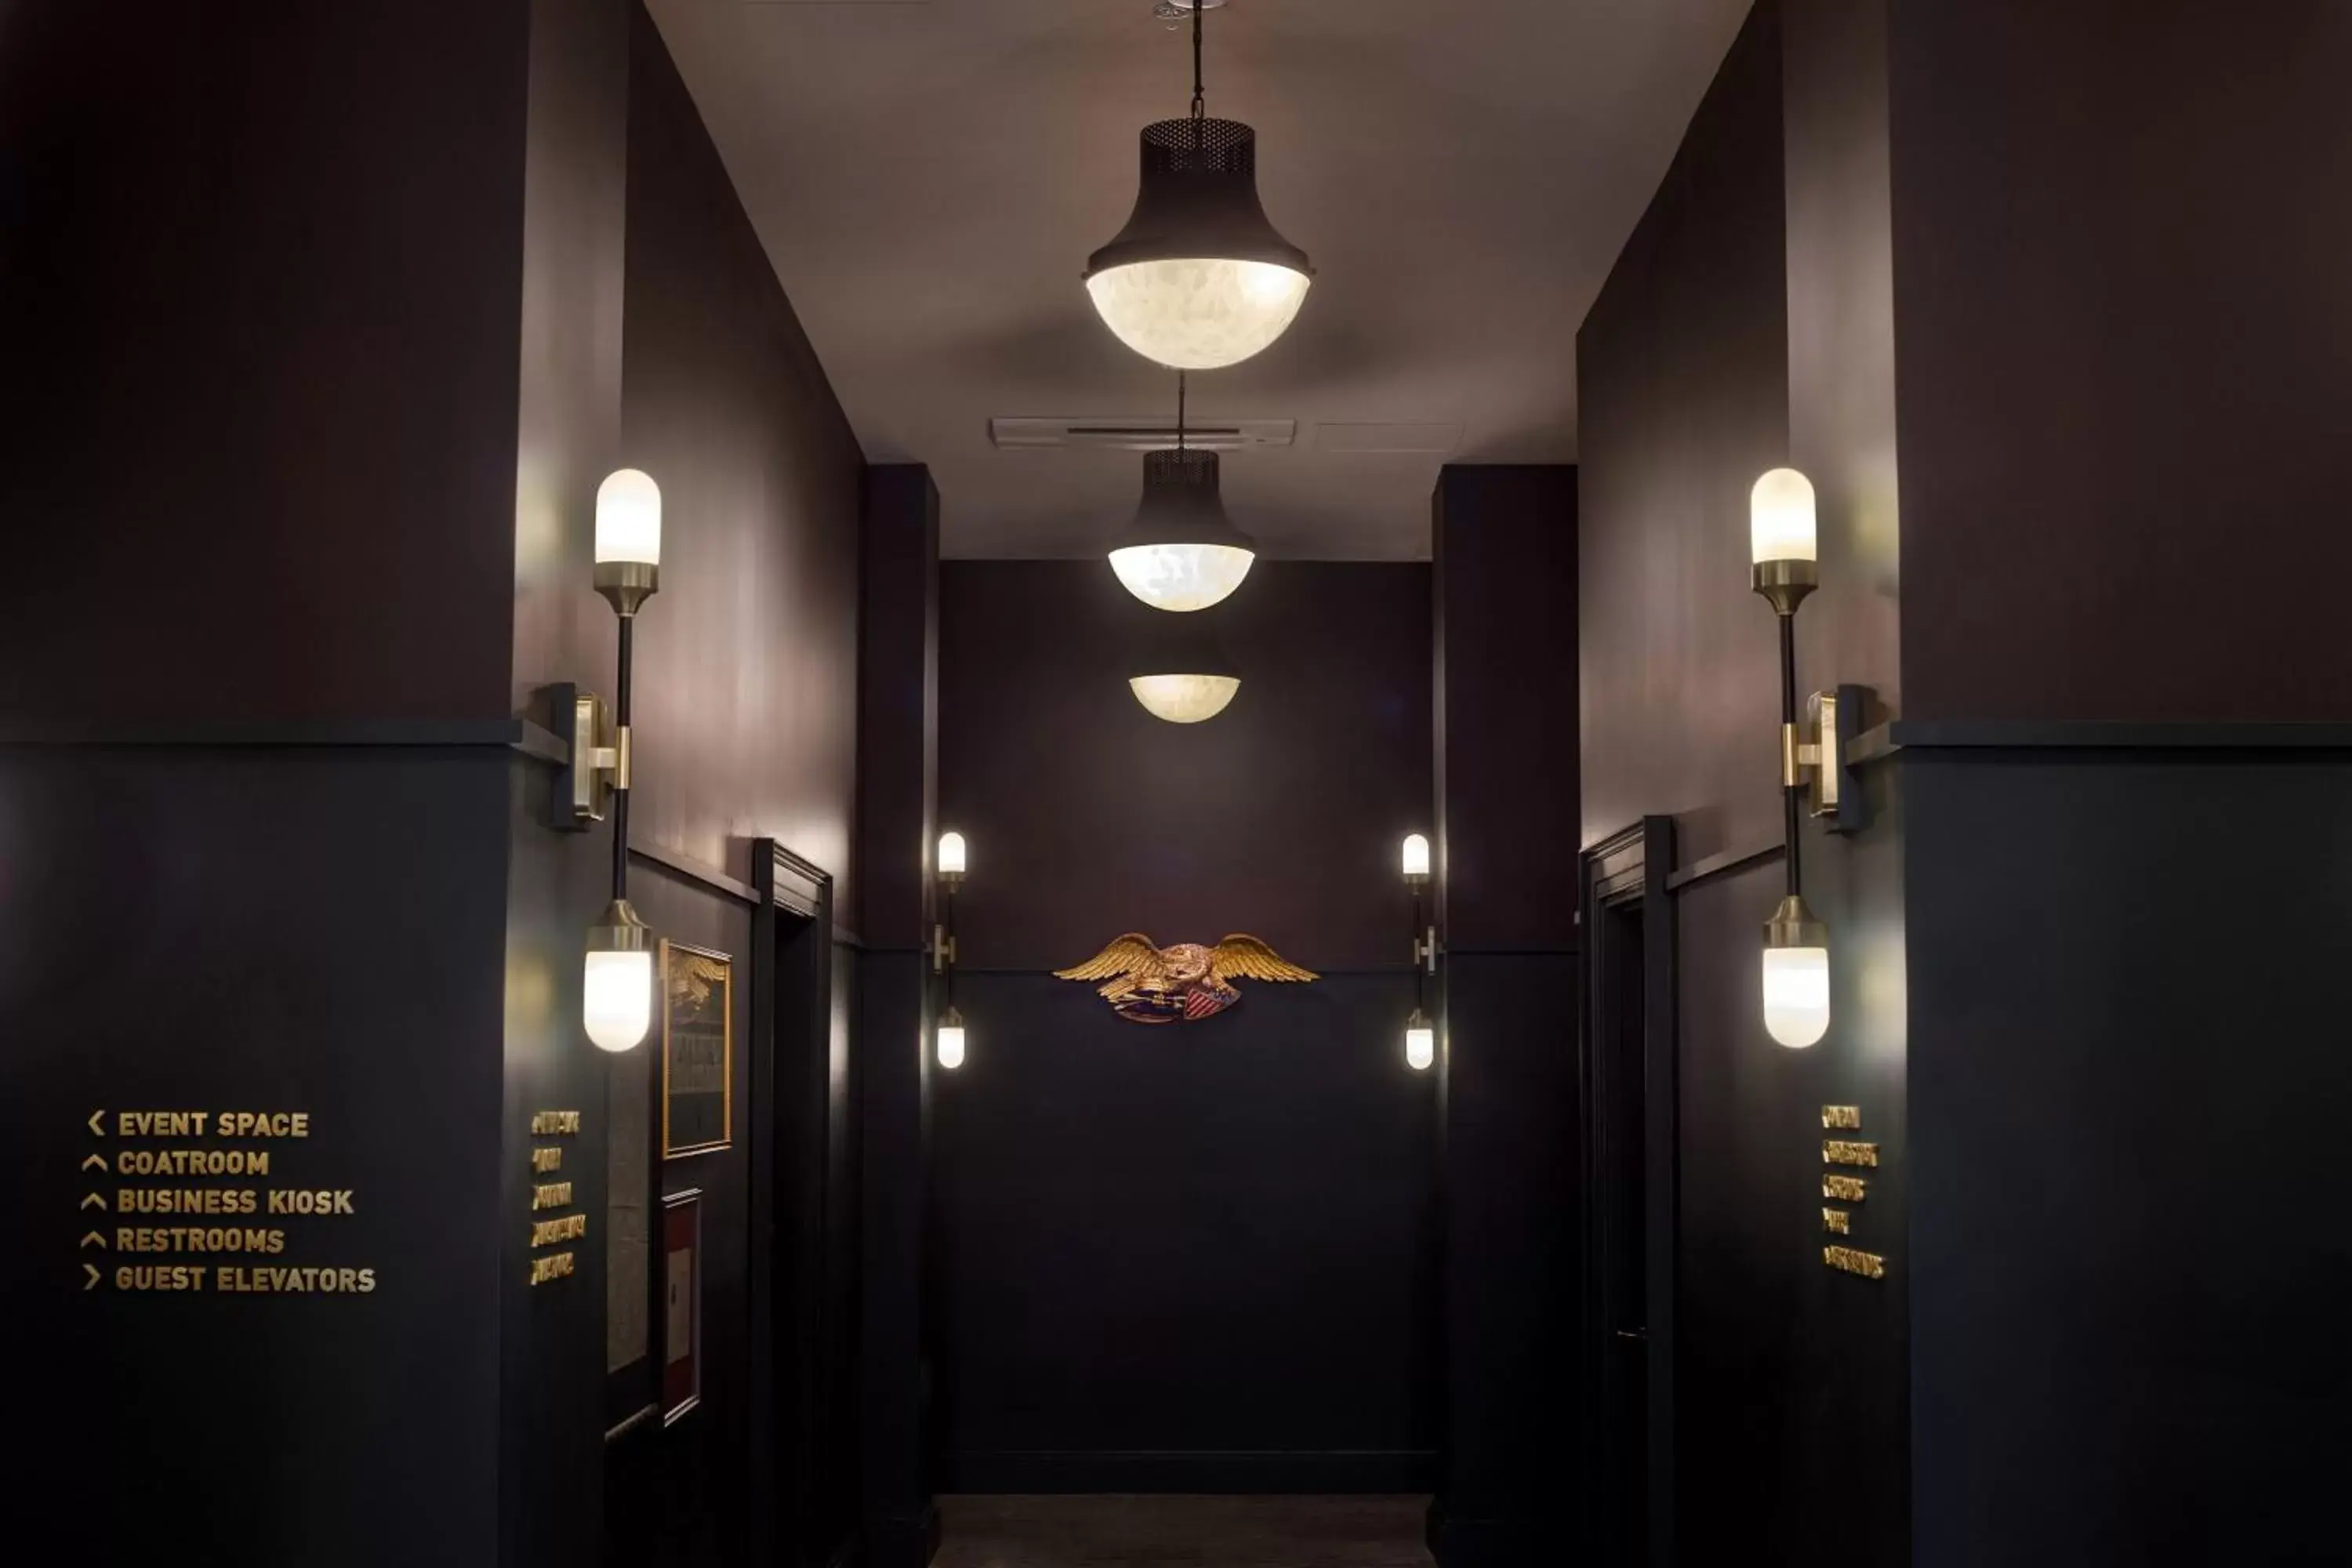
(1180,674)
(1181,551)
(1199,279)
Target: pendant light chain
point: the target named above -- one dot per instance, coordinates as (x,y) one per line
(1180,410)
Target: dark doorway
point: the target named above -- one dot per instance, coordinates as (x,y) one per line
(1629,1208)
(728,1398)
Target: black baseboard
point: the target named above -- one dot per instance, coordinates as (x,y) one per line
(1222,1472)
(1511,1541)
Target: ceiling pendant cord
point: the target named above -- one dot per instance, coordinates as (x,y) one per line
(1200,96)
(1180,410)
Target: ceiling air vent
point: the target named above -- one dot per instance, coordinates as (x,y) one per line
(1147,434)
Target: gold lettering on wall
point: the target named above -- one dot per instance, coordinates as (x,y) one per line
(1838,1152)
(1842,1116)
(1845,1189)
(553,1195)
(1868,1265)
(549,1232)
(1837,1221)
(196,1127)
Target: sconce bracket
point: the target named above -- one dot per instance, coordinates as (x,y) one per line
(593,759)
(1833,719)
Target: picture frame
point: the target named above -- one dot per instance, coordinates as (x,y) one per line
(681,1318)
(698,1050)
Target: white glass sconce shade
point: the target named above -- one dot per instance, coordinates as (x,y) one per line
(1797,994)
(952,854)
(1415,856)
(628,519)
(1419,1043)
(1184,699)
(617,998)
(1780,518)
(951,1040)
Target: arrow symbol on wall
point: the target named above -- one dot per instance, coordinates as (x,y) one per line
(97,1159)
(93,1277)
(96,1130)
(88,1236)
(89,1198)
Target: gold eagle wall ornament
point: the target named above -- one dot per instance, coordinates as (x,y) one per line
(1181,984)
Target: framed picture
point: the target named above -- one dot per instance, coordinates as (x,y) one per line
(681,1371)
(697,1060)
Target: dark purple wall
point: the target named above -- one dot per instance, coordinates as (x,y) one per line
(1088,817)
(1682,388)
(2120,252)
(1195,1257)
(1789,1439)
(747,660)
(259,282)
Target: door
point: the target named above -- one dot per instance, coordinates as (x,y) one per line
(1628,1051)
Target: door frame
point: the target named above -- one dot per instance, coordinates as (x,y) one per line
(788,1154)
(1631,867)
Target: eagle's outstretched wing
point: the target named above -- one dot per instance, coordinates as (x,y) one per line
(691,976)
(1250,959)
(1128,961)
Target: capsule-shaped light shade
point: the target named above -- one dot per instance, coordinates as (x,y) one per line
(1780,523)
(1184,699)
(628,518)
(951,1040)
(1182,577)
(952,855)
(1797,994)
(1419,1043)
(617,999)
(1416,855)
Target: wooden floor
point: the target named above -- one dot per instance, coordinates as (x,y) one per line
(1184,1531)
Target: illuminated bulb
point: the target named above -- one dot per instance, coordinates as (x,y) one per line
(616,990)
(628,519)
(1184,699)
(1416,856)
(1182,577)
(1796,975)
(1420,1043)
(951,1040)
(1780,523)
(952,855)
(1197,313)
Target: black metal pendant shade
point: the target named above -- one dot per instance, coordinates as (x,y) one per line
(1177,645)
(1181,504)
(1198,200)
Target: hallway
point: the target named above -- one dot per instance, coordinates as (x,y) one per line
(1113,1532)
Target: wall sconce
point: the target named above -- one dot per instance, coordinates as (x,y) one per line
(1420,1034)
(617,980)
(952,860)
(1784,569)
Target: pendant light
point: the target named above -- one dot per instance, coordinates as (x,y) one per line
(1181,552)
(1178,673)
(1199,279)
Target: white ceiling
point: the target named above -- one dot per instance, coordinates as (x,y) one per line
(929,177)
